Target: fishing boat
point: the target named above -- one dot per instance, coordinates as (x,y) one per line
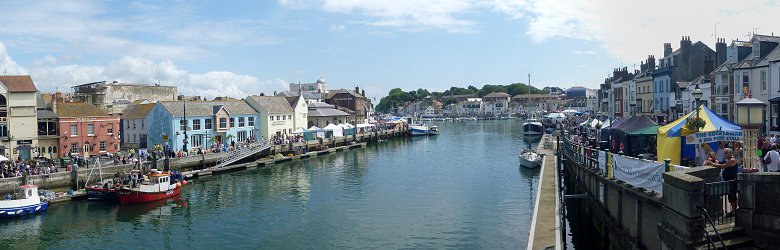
(466,119)
(533,127)
(25,201)
(504,117)
(530,159)
(103,191)
(158,186)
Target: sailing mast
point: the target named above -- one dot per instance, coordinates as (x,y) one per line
(528,105)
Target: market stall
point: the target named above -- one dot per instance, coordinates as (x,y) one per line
(710,128)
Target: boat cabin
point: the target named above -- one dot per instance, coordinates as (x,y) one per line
(158,182)
(27,192)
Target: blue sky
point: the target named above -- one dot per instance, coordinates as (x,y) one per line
(237,48)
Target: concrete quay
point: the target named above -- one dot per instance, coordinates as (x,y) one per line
(545,230)
(199,163)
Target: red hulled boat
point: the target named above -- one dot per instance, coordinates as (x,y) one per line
(159,186)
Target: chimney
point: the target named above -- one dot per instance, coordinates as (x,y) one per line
(357,90)
(667,49)
(651,62)
(685,43)
(363,93)
(720,51)
(274,92)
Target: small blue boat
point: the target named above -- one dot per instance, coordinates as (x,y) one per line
(25,201)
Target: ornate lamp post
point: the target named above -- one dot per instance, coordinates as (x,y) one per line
(697,93)
(750,117)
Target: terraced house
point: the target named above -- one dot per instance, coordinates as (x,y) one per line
(18,117)
(202,123)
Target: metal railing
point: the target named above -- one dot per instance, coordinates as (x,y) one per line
(710,243)
(716,197)
(242,152)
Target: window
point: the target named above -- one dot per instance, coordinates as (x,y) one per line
(284,118)
(232,122)
(745,79)
(775,117)
(196,124)
(102,145)
(142,123)
(196,140)
(278,118)
(241,122)
(90,129)
(242,136)
(250,121)
(223,122)
(87,147)
(182,125)
(74,130)
(116,146)
(207,123)
(128,125)
(763,81)
(135,138)
(272,118)
(289,117)
(110,128)
(133,124)
(74,148)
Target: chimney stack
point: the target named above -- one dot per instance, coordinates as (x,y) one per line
(667,49)
(685,43)
(720,51)
(651,62)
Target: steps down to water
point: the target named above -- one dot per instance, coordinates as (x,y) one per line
(734,237)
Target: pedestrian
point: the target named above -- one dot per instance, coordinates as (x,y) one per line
(729,173)
(772,160)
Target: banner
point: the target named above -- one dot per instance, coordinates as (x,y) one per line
(713,136)
(602,161)
(639,173)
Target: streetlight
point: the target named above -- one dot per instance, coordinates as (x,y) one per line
(697,93)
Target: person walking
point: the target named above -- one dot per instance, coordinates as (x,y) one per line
(729,173)
(772,160)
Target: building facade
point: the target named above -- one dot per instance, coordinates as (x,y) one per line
(86,130)
(18,111)
(135,121)
(354,101)
(276,115)
(114,97)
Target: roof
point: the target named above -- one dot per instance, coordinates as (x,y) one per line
(46,114)
(46,98)
(341,91)
(496,95)
(137,111)
(18,83)
(206,108)
(78,109)
(521,96)
(273,104)
(306,95)
(321,109)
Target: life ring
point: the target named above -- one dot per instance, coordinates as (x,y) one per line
(29,192)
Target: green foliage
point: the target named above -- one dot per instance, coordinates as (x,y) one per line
(398,97)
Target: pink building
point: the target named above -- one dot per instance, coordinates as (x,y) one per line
(85,130)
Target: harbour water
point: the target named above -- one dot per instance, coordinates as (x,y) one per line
(461,189)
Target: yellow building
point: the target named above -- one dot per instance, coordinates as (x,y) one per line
(18,117)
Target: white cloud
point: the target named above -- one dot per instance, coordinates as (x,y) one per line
(587,52)
(50,76)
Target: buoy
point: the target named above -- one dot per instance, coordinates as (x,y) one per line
(178,185)
(184,182)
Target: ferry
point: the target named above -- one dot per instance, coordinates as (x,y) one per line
(25,201)
(158,186)
(533,127)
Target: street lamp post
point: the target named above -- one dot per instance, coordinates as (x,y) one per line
(697,93)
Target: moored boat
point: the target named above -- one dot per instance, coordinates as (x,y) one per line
(433,130)
(532,127)
(158,186)
(25,201)
(103,191)
(530,159)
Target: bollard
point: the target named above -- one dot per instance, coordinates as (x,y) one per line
(666,164)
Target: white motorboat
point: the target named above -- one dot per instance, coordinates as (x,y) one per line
(533,127)
(24,201)
(530,159)
(423,129)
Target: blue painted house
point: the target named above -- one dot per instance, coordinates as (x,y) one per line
(206,122)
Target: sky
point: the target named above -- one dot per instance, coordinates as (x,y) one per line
(239,48)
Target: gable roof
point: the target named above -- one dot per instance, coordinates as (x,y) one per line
(78,109)
(137,111)
(341,91)
(306,95)
(18,83)
(273,104)
(496,95)
(207,108)
(46,114)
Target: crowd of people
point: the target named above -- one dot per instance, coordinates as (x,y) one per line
(20,168)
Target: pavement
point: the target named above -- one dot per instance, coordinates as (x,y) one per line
(544,226)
